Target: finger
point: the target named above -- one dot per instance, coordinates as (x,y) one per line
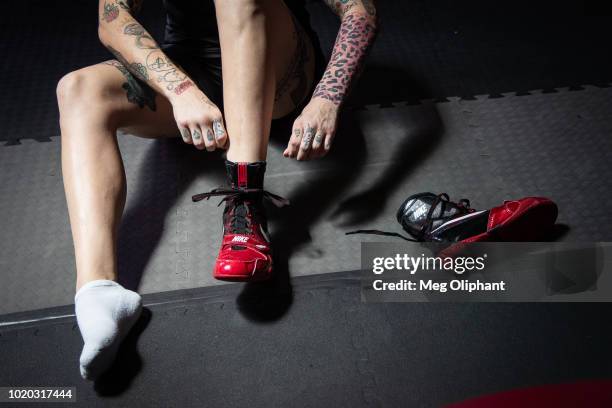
(306,144)
(322,151)
(316,149)
(329,138)
(294,142)
(220,133)
(196,136)
(318,140)
(186,135)
(209,139)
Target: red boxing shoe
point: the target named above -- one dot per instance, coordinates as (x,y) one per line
(245,254)
(434,218)
(526,219)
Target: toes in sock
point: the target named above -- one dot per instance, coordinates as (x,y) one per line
(105,313)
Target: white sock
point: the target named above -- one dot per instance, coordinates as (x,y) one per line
(105,312)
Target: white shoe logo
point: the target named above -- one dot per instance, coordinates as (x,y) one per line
(240,239)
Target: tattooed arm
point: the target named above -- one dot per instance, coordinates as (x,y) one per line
(132,45)
(315,128)
(197,117)
(355,37)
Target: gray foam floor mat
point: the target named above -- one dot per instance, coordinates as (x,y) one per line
(487,149)
(205,348)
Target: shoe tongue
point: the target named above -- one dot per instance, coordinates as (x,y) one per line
(414,214)
(239,222)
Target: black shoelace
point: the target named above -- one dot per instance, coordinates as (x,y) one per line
(443,199)
(238,200)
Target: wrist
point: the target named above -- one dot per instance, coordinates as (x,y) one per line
(181,90)
(323,93)
(333,104)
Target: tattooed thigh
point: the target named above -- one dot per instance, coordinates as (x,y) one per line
(137,92)
(296,83)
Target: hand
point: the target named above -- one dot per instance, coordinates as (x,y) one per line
(199,120)
(313,131)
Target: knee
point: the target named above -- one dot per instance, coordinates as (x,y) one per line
(77,90)
(239,12)
(69,89)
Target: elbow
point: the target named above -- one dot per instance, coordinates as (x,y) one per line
(103,33)
(373,19)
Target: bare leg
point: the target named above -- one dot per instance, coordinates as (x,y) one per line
(259,43)
(93,105)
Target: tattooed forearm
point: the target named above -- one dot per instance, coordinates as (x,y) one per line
(166,73)
(149,63)
(143,39)
(180,88)
(354,39)
(159,68)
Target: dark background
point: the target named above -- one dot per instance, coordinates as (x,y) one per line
(447,48)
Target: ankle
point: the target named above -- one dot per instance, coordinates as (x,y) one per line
(246,174)
(82,280)
(251,155)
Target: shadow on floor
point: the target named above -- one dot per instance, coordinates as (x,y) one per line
(143,223)
(128,362)
(423,131)
(343,166)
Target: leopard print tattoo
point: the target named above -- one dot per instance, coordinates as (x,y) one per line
(354,39)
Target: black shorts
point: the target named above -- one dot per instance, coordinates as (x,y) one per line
(204,67)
